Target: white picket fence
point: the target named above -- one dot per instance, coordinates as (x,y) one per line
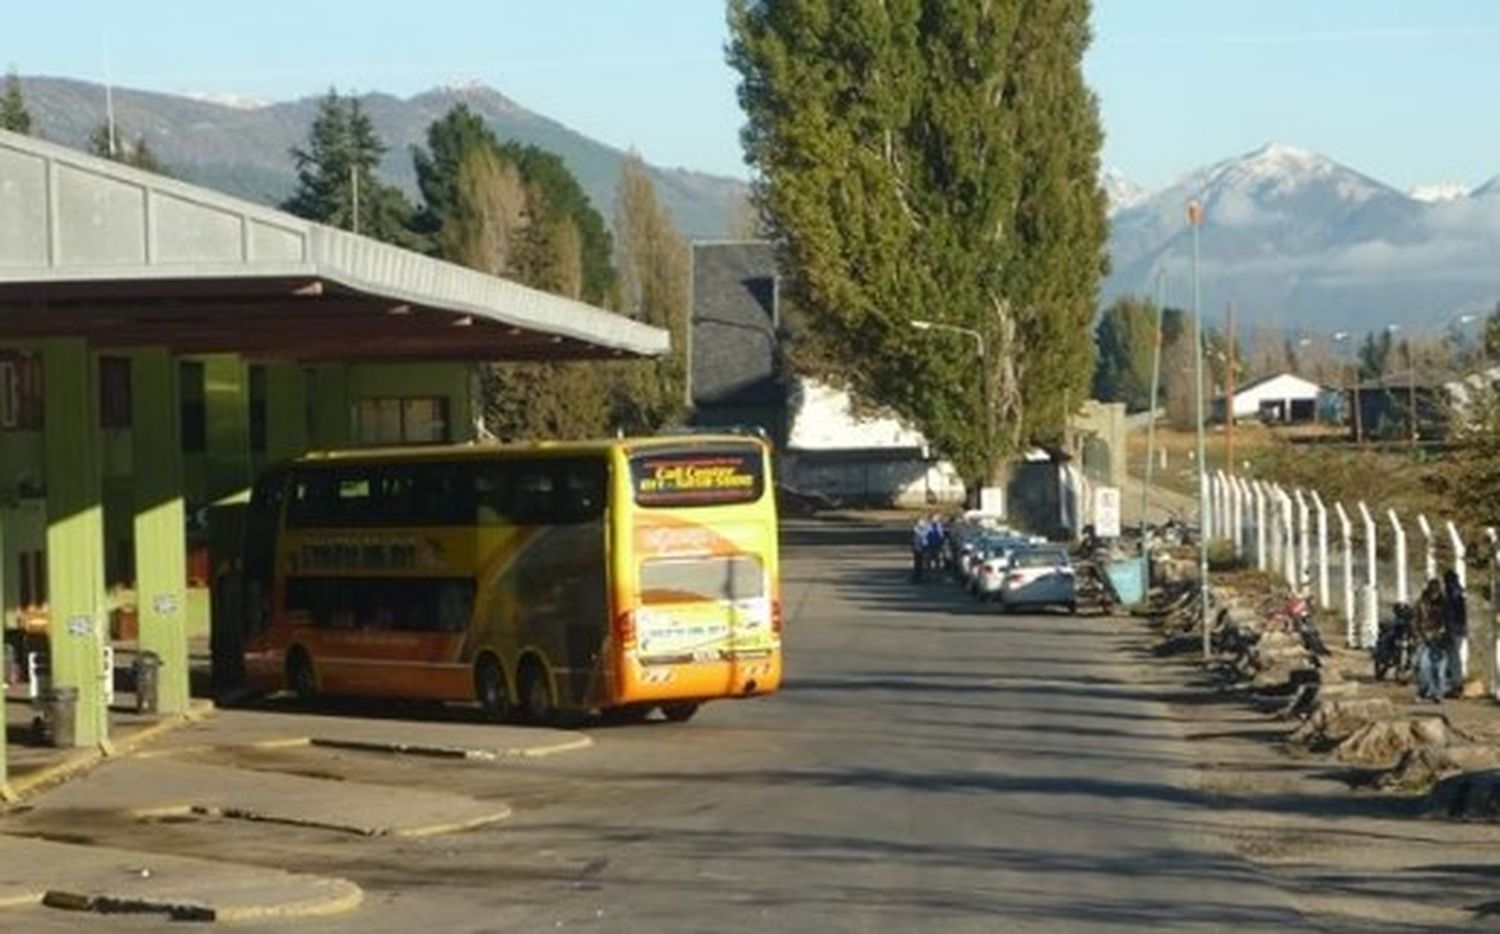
(1288,532)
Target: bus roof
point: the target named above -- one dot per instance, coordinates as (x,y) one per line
(491,449)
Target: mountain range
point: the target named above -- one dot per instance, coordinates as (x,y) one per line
(241,146)
(1299,241)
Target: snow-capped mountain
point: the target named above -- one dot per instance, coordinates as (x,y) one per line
(1442,191)
(1298,240)
(1121,191)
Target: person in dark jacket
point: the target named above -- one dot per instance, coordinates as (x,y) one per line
(1432,638)
(1456,624)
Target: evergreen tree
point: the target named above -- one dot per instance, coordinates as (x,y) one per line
(336,180)
(1124,342)
(488,213)
(137,154)
(13,113)
(933,159)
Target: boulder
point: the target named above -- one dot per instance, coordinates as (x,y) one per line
(1334,720)
(1420,769)
(1382,742)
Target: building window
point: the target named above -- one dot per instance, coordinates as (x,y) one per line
(21,391)
(410,420)
(258,409)
(193,407)
(114,393)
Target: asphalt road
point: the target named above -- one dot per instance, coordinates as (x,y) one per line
(931,765)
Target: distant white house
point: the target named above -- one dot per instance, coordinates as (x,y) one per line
(1284,398)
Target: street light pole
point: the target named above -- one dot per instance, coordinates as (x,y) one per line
(1161,310)
(1195,220)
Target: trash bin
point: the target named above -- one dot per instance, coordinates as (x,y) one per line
(147,665)
(60,709)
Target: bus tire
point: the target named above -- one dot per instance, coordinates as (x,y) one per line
(680,712)
(538,706)
(301,677)
(490,689)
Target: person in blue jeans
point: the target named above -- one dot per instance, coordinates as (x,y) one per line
(1432,653)
(1456,622)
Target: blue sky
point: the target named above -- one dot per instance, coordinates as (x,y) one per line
(1400,89)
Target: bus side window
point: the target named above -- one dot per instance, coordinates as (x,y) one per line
(530,499)
(490,490)
(581,490)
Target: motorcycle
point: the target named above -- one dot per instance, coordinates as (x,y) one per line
(1396,645)
(1299,612)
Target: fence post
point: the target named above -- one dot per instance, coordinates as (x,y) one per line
(1369,620)
(1429,550)
(1493,540)
(1273,493)
(1323,600)
(1226,510)
(1403,591)
(1461,568)
(1304,542)
(1289,553)
(1241,520)
(1260,526)
(1351,637)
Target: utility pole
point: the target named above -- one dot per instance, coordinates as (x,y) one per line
(1229,397)
(1161,310)
(1195,220)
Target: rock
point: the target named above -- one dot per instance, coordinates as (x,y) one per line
(1467,796)
(1419,769)
(1383,741)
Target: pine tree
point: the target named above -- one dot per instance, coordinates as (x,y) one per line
(13,113)
(933,159)
(137,154)
(336,180)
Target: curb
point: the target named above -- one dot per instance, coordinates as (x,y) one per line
(440,752)
(345,896)
(83,759)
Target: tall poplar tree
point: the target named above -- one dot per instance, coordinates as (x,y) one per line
(13,113)
(933,160)
(114,144)
(653,267)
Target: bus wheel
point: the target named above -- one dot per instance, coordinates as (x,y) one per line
(301,680)
(489,689)
(680,712)
(537,703)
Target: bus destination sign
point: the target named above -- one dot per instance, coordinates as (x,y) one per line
(697,478)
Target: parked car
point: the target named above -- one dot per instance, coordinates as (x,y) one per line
(1039,576)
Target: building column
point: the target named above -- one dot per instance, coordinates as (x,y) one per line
(76,627)
(332,417)
(286,412)
(160,523)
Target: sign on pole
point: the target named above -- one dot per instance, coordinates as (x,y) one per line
(1107,512)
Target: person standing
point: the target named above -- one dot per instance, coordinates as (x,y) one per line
(1456,622)
(1432,635)
(919,532)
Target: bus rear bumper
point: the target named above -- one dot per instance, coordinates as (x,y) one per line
(700,680)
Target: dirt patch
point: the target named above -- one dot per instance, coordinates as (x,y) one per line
(1384,741)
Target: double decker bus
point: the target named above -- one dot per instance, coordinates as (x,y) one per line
(616,576)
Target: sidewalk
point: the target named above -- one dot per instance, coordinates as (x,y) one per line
(90,878)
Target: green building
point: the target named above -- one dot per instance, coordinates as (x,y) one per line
(161,343)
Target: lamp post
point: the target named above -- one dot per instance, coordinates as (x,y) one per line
(1161,308)
(984,375)
(1195,221)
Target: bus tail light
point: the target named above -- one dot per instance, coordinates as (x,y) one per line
(625,628)
(776,616)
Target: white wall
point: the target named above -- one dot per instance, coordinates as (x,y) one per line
(823,419)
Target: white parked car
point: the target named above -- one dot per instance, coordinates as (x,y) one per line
(1039,576)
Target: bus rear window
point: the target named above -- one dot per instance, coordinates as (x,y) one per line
(699,580)
(698,476)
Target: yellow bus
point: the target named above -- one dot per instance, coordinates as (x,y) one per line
(616,576)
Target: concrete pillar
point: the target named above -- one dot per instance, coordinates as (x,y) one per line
(1289,549)
(1304,541)
(77,627)
(1460,554)
(160,542)
(1429,549)
(1372,571)
(286,412)
(1351,635)
(1322,538)
(1274,530)
(1261,562)
(1403,588)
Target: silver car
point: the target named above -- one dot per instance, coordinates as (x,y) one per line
(1039,577)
